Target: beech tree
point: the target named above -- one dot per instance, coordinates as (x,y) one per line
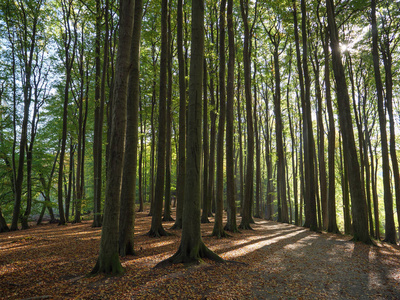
(192,248)
(108,261)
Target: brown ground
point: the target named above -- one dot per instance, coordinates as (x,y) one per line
(281,262)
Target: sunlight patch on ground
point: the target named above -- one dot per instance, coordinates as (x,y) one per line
(245,250)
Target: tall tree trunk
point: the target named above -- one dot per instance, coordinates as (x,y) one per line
(321,145)
(218,230)
(28,48)
(99,112)
(180,185)
(358,201)
(390,230)
(142,172)
(248,196)
(332,224)
(68,10)
(192,248)
(206,153)
(108,261)
(345,193)
(157,229)
(128,188)
(167,201)
(230,170)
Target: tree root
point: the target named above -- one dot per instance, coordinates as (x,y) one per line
(194,256)
(108,265)
(159,232)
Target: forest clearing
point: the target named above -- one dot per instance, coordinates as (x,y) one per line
(275,261)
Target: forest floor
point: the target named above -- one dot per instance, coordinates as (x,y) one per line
(281,261)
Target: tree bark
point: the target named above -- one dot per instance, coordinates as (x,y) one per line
(157,229)
(230,171)
(108,261)
(128,188)
(218,230)
(192,249)
(180,185)
(359,205)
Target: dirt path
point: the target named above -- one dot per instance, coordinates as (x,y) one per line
(278,261)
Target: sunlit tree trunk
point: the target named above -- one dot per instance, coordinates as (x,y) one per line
(358,202)
(390,230)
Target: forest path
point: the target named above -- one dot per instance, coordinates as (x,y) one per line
(281,261)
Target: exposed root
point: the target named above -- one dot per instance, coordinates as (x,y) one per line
(220,234)
(108,265)
(245,227)
(233,228)
(168,219)
(159,232)
(194,257)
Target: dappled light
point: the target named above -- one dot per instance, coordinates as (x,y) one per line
(273,259)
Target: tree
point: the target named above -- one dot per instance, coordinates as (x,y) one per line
(180,185)
(359,205)
(192,248)
(157,229)
(69,39)
(248,195)
(390,230)
(128,188)
(218,230)
(28,17)
(230,172)
(108,261)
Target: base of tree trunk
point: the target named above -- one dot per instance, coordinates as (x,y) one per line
(231,228)
(159,232)
(210,215)
(177,225)
(245,226)
(109,266)
(220,234)
(126,249)
(24,224)
(257,216)
(333,229)
(204,220)
(194,256)
(366,240)
(168,219)
(251,221)
(140,209)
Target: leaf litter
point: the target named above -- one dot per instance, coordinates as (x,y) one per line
(274,261)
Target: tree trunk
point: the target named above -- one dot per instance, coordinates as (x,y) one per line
(206,153)
(390,230)
(359,205)
(230,171)
(128,188)
(192,248)
(218,230)
(180,185)
(332,224)
(157,229)
(108,261)
(248,195)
